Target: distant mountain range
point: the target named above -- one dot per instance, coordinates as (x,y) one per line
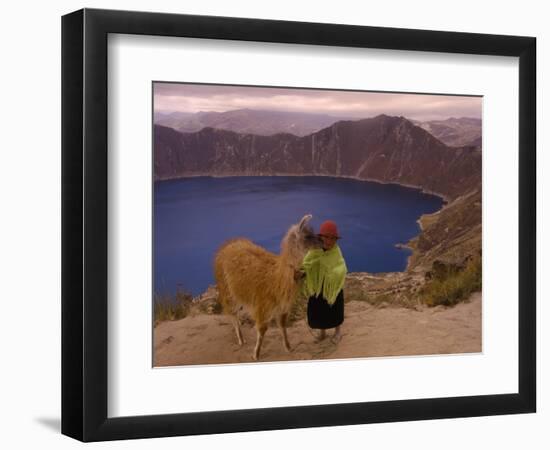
(383,148)
(264,123)
(454,132)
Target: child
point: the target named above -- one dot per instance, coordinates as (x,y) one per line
(325,272)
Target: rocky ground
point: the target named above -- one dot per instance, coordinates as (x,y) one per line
(369,330)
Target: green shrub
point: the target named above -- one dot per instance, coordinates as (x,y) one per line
(455,287)
(171,306)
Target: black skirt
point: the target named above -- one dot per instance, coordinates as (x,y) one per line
(322,315)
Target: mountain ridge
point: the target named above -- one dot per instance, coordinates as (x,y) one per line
(454,132)
(384,148)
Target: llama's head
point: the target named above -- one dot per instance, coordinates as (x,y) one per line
(299,239)
(306,235)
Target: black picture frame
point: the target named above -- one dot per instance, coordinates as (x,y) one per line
(84,224)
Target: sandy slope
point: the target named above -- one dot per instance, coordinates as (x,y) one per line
(367,331)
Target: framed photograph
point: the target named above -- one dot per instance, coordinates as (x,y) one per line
(272,224)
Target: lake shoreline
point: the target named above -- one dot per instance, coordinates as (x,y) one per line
(446,199)
(402,245)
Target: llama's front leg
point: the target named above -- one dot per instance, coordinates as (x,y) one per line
(281,322)
(261,328)
(237,326)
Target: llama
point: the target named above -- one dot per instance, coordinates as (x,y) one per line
(264,283)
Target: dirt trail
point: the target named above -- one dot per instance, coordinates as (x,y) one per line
(367,331)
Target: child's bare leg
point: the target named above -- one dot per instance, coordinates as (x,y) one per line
(281,321)
(337,335)
(321,335)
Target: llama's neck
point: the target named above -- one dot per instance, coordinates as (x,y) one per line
(285,281)
(286,265)
(290,256)
(288,262)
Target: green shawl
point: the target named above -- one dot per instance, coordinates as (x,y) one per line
(324,270)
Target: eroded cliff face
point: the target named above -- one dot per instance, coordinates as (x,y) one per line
(451,234)
(384,148)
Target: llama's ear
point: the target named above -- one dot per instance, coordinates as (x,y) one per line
(304,220)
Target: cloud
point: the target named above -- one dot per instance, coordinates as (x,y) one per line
(201,97)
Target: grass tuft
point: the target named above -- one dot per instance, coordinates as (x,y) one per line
(450,289)
(171,306)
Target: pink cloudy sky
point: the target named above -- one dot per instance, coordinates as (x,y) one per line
(170,97)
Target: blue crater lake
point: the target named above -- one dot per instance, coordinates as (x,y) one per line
(194,216)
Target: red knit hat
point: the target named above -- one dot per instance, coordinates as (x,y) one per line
(328,228)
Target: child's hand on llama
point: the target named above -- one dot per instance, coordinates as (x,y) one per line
(299,274)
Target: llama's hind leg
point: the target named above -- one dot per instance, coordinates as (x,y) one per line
(228,304)
(237,325)
(261,328)
(281,322)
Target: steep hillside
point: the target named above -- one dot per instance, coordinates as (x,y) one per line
(384,148)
